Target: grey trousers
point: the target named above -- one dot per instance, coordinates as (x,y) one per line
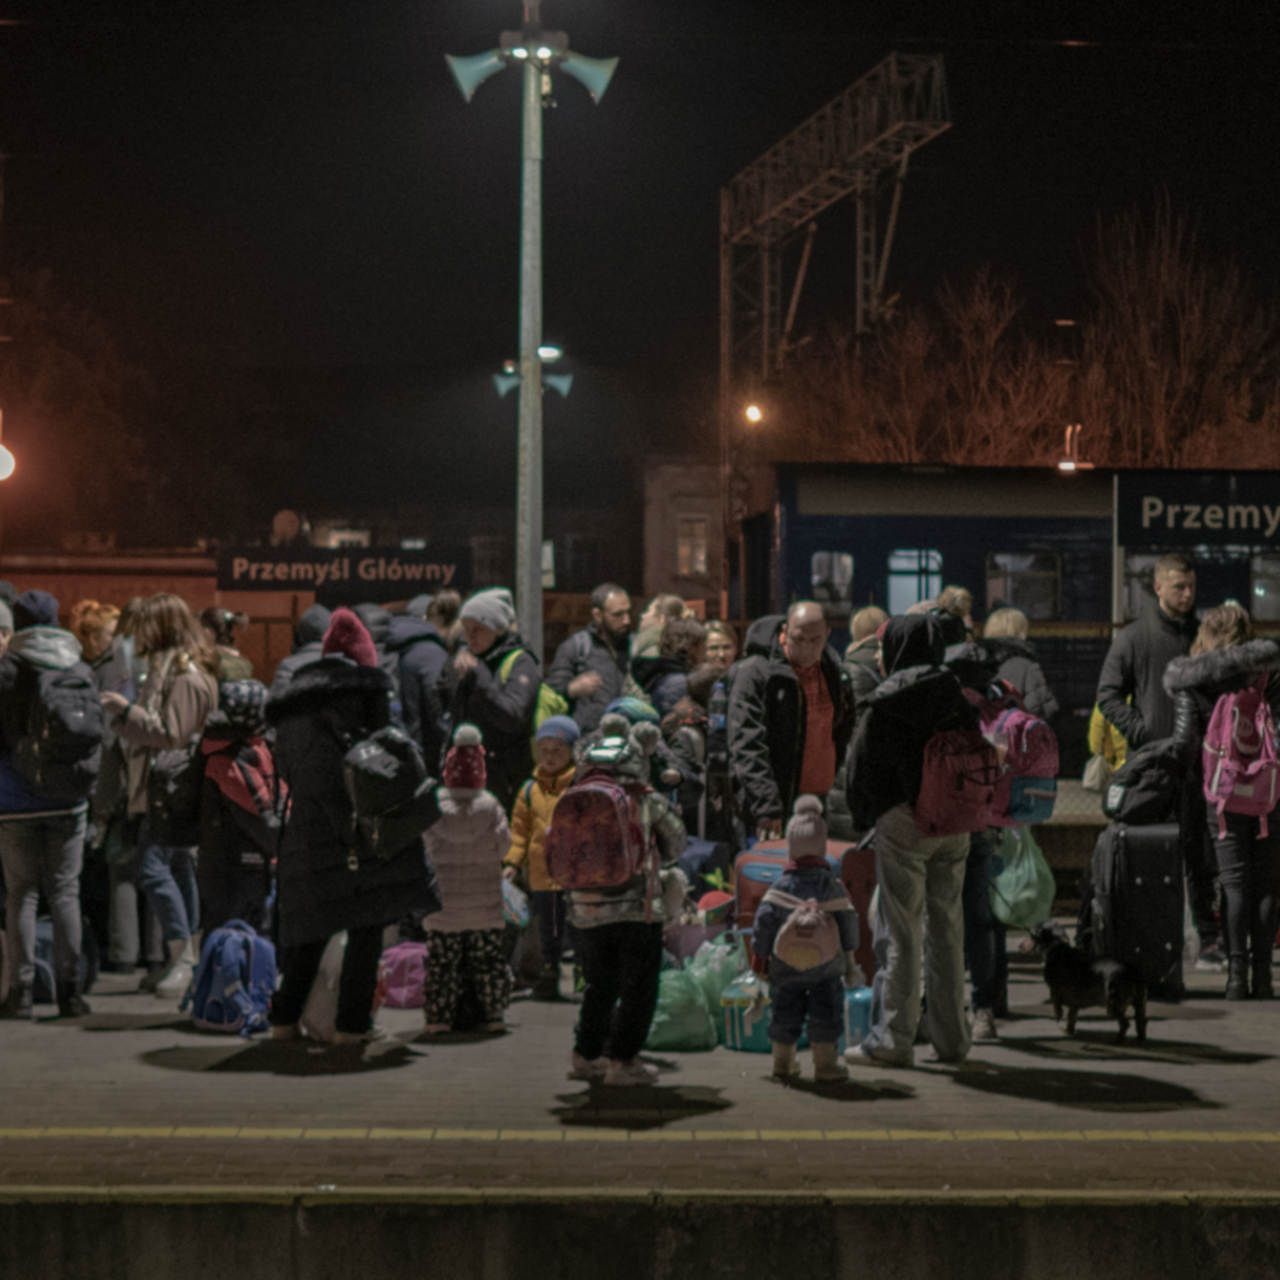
(921,888)
(43,853)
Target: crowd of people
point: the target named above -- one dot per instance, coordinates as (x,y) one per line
(730,746)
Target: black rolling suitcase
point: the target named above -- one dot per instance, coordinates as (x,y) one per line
(1137,913)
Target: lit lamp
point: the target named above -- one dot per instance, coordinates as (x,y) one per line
(510,377)
(1071,458)
(7,461)
(753,413)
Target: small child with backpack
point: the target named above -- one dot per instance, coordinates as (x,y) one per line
(530,818)
(609,837)
(467,966)
(804,938)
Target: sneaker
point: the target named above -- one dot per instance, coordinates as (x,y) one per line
(627,1071)
(588,1068)
(860,1056)
(1211,959)
(982,1024)
(20,1004)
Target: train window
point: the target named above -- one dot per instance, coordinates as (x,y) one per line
(691,547)
(831,580)
(914,575)
(1026,580)
(1264,575)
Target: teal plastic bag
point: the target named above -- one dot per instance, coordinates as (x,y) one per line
(1022,894)
(715,964)
(682,1020)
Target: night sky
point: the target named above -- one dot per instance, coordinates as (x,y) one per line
(300,186)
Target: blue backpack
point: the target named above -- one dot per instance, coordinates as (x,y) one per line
(232,987)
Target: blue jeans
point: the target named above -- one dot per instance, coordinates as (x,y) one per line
(43,853)
(168,877)
(822,1002)
(984,938)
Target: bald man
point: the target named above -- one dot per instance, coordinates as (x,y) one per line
(790,717)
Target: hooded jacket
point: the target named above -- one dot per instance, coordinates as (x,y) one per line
(466,847)
(1015,662)
(1196,683)
(31,651)
(918,698)
(1135,666)
(587,650)
(325,706)
(308,638)
(421,653)
(529,822)
(767,723)
(377,622)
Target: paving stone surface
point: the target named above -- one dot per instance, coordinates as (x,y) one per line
(133,1096)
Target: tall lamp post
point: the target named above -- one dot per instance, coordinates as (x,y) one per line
(539,51)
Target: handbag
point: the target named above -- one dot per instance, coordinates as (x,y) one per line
(1022,893)
(1097,773)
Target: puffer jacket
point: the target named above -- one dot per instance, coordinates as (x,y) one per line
(1016,662)
(529,822)
(466,848)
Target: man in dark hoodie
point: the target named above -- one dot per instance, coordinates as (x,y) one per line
(790,717)
(920,876)
(422,653)
(308,635)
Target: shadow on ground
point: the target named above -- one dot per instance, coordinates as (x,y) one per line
(161,1020)
(1157,1011)
(284,1057)
(1080,1090)
(1101,1046)
(853,1090)
(638,1107)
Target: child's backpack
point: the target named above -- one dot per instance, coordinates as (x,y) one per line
(1241,771)
(402,976)
(1028,786)
(809,936)
(957,784)
(550,703)
(597,837)
(59,755)
(232,987)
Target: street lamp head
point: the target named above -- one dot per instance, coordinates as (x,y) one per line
(470,73)
(8,463)
(549,353)
(594,73)
(753,413)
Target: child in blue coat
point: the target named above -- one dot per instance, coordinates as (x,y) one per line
(805,934)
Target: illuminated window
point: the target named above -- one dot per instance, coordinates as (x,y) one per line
(1264,575)
(1026,580)
(348,537)
(914,575)
(831,581)
(691,547)
(548,565)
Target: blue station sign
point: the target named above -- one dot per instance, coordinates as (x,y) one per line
(1184,509)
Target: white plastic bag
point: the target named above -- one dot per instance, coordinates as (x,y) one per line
(320,1014)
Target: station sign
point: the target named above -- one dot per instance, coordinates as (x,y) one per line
(1186,509)
(345,575)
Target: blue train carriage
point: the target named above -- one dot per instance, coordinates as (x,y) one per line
(1074,552)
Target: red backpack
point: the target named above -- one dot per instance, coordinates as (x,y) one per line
(597,837)
(958,782)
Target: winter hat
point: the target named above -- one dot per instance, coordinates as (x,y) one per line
(418,606)
(464,765)
(633,710)
(244,705)
(311,626)
(563,728)
(6,617)
(347,636)
(493,609)
(807,830)
(35,609)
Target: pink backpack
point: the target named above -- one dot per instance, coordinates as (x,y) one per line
(809,936)
(597,838)
(1027,748)
(402,976)
(1241,771)
(961,770)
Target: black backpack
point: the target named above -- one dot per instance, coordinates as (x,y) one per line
(175,783)
(60,753)
(393,799)
(1147,787)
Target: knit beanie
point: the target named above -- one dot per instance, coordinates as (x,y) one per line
(311,626)
(464,765)
(244,704)
(418,606)
(807,830)
(347,635)
(636,710)
(493,609)
(563,728)
(35,609)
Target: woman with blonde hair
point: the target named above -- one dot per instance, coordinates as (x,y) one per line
(1004,638)
(1226,659)
(177,696)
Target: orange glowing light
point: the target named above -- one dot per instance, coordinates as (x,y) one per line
(754,413)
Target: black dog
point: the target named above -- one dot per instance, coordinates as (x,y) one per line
(1077,981)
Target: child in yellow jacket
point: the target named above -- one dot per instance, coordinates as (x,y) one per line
(535,802)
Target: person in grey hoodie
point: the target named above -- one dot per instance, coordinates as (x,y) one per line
(41,839)
(421,652)
(308,635)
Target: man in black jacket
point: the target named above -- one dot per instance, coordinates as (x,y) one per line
(790,717)
(590,667)
(1139,654)
(421,652)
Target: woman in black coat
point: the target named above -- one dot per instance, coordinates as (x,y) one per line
(1226,659)
(323,888)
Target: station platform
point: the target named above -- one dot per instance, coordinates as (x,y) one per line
(129,1126)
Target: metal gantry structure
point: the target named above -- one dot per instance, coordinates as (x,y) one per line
(856,146)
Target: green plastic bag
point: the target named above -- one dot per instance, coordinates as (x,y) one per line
(1022,894)
(682,1020)
(715,964)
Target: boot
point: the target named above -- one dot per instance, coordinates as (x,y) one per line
(70,1003)
(826,1062)
(1237,978)
(784,1061)
(547,986)
(176,979)
(19,1004)
(1262,986)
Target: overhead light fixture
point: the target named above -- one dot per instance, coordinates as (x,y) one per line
(754,413)
(520,52)
(550,353)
